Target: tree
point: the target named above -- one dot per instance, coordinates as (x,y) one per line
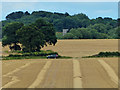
(99,20)
(81,16)
(68,22)
(67,14)
(15,15)
(31,38)
(86,34)
(77,34)
(118,32)
(48,30)
(99,27)
(68,36)
(103,36)
(0,31)
(10,38)
(58,24)
(118,20)
(27,13)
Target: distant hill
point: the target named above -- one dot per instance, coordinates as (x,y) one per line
(62,21)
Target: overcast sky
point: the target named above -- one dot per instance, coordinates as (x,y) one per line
(91,9)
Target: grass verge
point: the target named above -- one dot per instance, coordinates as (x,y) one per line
(32,55)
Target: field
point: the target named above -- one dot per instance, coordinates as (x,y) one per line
(77,72)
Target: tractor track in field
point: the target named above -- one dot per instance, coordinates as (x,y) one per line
(65,73)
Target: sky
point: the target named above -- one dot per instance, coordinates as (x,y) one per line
(91,9)
(59,0)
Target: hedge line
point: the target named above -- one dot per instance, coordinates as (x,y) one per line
(105,54)
(42,53)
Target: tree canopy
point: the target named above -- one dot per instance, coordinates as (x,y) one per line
(32,37)
(102,26)
(9,32)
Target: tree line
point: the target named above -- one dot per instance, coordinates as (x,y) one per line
(92,28)
(97,31)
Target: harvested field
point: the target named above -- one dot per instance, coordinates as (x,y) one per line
(84,47)
(65,73)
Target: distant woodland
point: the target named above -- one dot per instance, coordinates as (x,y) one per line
(80,26)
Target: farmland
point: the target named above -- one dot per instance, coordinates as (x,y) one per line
(77,72)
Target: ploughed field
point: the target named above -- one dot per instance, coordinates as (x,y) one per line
(77,72)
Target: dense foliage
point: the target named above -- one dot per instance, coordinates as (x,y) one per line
(104,54)
(83,26)
(9,35)
(32,37)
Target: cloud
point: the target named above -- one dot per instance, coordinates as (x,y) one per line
(60,0)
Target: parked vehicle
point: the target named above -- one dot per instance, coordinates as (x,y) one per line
(52,56)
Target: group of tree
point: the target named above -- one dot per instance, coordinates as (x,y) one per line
(96,31)
(30,37)
(85,33)
(17,15)
(102,26)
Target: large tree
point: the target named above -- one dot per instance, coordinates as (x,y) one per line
(31,38)
(10,38)
(48,30)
